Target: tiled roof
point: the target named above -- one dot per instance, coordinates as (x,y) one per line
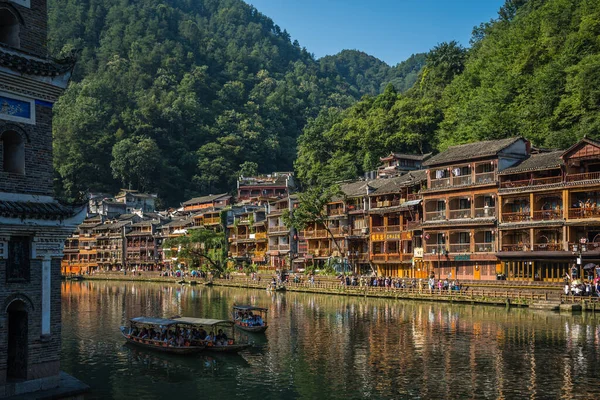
(279,180)
(537,162)
(416,157)
(393,185)
(205,199)
(462,152)
(27,209)
(31,66)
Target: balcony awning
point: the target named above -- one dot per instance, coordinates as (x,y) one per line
(411,203)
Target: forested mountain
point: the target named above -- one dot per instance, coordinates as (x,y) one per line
(174,96)
(369,75)
(534,71)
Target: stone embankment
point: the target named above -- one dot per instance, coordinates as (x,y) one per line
(541,296)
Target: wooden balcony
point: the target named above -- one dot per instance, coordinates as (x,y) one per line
(280,247)
(435,248)
(485,247)
(485,177)
(584,213)
(440,183)
(336,211)
(588,176)
(485,212)
(394,228)
(462,180)
(260,235)
(531,182)
(516,216)
(514,247)
(319,233)
(460,248)
(435,215)
(212,221)
(547,215)
(547,247)
(413,196)
(460,214)
(411,225)
(278,228)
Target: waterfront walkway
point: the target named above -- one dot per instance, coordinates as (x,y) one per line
(493,293)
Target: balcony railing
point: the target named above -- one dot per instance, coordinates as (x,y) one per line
(359,231)
(212,221)
(394,228)
(485,177)
(584,212)
(435,215)
(588,176)
(462,180)
(590,246)
(435,248)
(516,216)
(260,235)
(440,183)
(319,233)
(336,211)
(460,248)
(485,212)
(410,225)
(460,214)
(278,228)
(279,247)
(547,247)
(484,247)
(547,215)
(413,196)
(531,182)
(378,229)
(515,247)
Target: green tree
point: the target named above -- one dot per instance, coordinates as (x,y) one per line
(136,162)
(199,248)
(312,208)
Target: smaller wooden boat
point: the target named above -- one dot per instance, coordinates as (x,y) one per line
(250,318)
(221,334)
(160,334)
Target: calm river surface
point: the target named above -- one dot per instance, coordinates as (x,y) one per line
(331,347)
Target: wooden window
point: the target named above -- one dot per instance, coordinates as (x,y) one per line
(18,262)
(9,28)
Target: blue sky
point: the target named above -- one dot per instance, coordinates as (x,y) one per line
(390,30)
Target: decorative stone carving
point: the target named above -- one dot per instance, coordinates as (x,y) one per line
(47,247)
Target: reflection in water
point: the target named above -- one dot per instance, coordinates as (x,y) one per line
(321,346)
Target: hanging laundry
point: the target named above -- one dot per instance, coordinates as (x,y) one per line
(439,174)
(456,171)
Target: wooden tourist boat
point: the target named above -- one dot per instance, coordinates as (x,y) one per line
(250,318)
(231,345)
(139,324)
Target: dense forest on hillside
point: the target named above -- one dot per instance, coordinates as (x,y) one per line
(176,96)
(534,71)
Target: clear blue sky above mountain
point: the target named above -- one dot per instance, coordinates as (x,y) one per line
(390,30)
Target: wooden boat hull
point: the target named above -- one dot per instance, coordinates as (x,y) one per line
(147,344)
(253,329)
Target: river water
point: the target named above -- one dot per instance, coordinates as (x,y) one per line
(330,347)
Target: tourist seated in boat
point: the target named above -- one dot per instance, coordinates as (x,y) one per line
(221,338)
(144,333)
(202,334)
(210,337)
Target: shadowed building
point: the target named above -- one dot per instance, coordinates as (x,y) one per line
(33,225)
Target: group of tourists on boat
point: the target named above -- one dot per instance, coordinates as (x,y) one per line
(249,319)
(180,336)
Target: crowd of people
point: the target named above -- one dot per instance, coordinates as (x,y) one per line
(180,337)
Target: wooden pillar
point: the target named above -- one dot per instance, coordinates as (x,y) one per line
(531,239)
(531,205)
